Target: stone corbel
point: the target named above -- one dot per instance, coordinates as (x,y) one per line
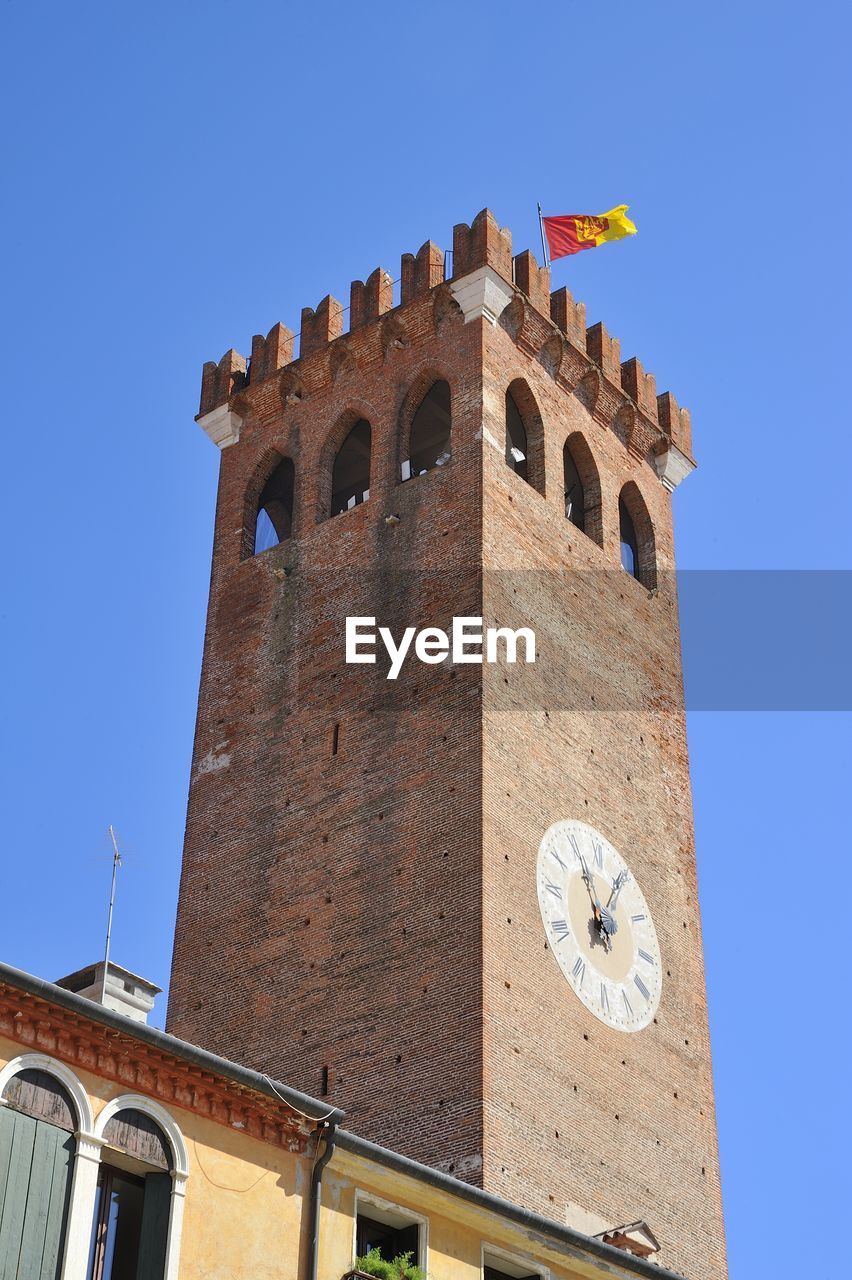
(672,467)
(222,425)
(482,293)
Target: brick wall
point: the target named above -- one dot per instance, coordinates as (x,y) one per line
(576,1113)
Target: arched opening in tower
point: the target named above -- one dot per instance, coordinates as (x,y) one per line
(350,476)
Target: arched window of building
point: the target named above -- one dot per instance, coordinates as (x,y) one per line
(582,487)
(429,438)
(524,435)
(629,545)
(274,517)
(133,1203)
(636,535)
(516,439)
(37,1125)
(350,475)
(575,496)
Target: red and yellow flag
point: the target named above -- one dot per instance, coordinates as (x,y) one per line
(570,232)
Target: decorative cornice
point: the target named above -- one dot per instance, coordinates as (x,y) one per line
(130,1062)
(577,373)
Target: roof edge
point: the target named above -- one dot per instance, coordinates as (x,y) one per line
(505,1208)
(312,1108)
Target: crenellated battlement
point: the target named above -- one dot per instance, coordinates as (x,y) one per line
(569,316)
(271,353)
(420,272)
(481,244)
(221,381)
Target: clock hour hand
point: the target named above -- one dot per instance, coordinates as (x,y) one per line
(609,924)
(617,885)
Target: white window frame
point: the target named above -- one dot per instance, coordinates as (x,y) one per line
(90,1141)
(366,1200)
(59,1071)
(492,1254)
(179,1171)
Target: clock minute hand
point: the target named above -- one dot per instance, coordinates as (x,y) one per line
(590,885)
(605,922)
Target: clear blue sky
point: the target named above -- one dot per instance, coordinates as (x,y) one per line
(181,176)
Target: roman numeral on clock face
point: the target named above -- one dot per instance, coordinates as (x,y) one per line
(560,928)
(598,848)
(572,840)
(648,959)
(641,985)
(637,919)
(628,1006)
(553,888)
(579,970)
(604,999)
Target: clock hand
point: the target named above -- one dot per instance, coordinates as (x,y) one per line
(618,884)
(606,924)
(609,924)
(584,871)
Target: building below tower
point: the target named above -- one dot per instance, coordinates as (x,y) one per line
(126,1152)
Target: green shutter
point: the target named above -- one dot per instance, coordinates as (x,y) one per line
(21,1141)
(36,1160)
(7,1126)
(155,1227)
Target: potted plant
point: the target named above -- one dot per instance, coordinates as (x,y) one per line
(372,1266)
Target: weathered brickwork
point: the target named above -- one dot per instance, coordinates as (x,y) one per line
(371,914)
(621,1125)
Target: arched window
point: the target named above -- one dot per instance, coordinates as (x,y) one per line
(274,519)
(524,435)
(629,545)
(636,535)
(140,1136)
(516,439)
(581,486)
(132,1207)
(37,1145)
(350,475)
(575,495)
(429,439)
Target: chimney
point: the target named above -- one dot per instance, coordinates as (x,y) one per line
(125,992)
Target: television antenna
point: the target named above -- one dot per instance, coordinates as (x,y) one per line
(116,863)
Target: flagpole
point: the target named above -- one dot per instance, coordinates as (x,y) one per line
(543,245)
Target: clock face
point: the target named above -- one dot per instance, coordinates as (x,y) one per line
(599,926)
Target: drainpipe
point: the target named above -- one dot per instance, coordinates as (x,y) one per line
(316,1192)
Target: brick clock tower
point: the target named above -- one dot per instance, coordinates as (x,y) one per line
(461,904)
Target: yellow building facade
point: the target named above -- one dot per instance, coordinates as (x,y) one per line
(126,1153)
